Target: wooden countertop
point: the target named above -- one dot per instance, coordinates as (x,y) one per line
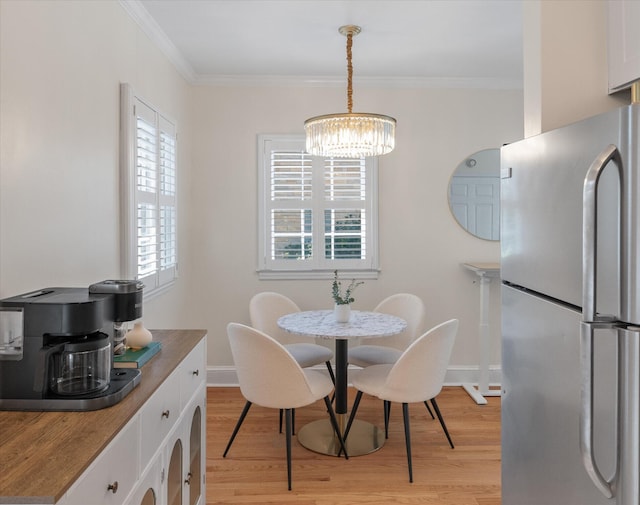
(43,453)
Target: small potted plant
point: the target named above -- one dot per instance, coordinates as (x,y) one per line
(342,307)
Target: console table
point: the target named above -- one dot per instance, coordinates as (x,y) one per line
(486,272)
(151,443)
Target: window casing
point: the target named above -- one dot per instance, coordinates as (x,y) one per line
(316,214)
(149,194)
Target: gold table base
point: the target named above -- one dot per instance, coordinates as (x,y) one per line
(318,436)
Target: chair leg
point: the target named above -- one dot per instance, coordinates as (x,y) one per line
(387,411)
(293,420)
(444,426)
(331,374)
(246,408)
(429,409)
(288,431)
(336,428)
(333,378)
(356,403)
(407,438)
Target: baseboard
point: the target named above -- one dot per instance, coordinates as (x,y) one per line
(225,376)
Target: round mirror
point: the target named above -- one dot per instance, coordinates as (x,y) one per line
(474,194)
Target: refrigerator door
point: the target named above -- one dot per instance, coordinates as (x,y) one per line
(541,459)
(542,209)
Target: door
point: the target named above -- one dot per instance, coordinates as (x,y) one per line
(194,476)
(542,210)
(475,203)
(541,460)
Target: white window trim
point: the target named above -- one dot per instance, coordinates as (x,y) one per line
(162,280)
(266,269)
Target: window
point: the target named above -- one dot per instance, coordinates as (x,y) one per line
(148,192)
(316,214)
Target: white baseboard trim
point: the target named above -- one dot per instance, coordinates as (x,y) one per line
(225,376)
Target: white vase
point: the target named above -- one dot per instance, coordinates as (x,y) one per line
(138,337)
(342,312)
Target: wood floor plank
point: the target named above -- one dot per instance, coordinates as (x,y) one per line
(255,471)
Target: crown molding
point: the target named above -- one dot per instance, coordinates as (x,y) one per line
(141,16)
(361,82)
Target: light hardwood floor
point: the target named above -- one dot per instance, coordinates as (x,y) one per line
(254,471)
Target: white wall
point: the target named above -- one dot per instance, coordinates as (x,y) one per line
(61,64)
(60,68)
(565,63)
(421,245)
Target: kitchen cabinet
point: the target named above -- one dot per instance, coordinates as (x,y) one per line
(161,432)
(147,449)
(624,43)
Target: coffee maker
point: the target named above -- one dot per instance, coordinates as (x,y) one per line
(56,347)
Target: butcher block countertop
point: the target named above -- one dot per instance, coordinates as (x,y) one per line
(43,453)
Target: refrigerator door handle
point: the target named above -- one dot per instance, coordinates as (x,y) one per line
(590,228)
(590,319)
(586,410)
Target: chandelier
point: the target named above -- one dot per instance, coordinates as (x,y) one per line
(354,134)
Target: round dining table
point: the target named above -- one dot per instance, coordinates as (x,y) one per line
(318,436)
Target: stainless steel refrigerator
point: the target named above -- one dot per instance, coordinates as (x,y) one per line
(570,269)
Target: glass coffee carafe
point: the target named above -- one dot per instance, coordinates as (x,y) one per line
(82,366)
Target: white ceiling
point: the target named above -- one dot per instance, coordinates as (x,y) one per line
(420,42)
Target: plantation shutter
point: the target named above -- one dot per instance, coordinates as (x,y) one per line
(149,191)
(316,213)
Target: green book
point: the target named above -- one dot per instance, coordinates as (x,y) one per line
(137,358)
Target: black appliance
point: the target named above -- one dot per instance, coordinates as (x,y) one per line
(56,347)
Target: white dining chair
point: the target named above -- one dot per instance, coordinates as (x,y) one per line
(417,376)
(387,350)
(264,311)
(270,377)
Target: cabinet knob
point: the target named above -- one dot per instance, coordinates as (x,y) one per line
(196,372)
(113,487)
(188,479)
(165,413)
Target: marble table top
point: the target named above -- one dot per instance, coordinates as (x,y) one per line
(322,323)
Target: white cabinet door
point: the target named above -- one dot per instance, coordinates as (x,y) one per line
(149,489)
(194,445)
(624,43)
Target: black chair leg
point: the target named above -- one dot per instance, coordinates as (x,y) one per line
(356,403)
(246,408)
(429,409)
(407,438)
(444,426)
(293,418)
(336,428)
(331,374)
(288,431)
(386,405)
